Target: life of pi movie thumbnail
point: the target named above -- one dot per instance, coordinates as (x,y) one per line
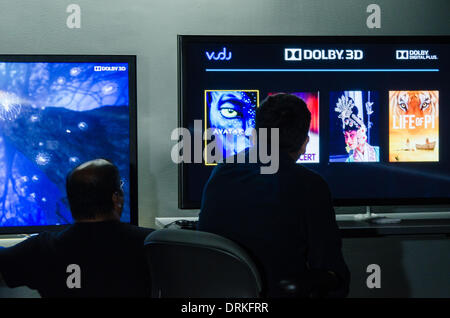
(413,126)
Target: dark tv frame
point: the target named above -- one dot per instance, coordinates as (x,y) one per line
(131,60)
(184,203)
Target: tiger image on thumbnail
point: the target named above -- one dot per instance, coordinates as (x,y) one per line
(413,126)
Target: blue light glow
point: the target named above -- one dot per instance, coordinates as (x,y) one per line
(53,116)
(320,70)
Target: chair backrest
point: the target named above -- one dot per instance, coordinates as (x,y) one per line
(195,264)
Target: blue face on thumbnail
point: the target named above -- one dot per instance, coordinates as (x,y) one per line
(54,116)
(231,117)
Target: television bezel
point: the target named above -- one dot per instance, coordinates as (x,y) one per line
(185,204)
(58,58)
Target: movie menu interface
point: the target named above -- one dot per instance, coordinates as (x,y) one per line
(368,102)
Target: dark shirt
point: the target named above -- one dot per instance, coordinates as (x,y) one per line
(110,256)
(285,221)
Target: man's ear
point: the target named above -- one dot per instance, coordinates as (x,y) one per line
(117,198)
(303,149)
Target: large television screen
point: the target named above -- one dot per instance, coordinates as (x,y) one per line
(57,112)
(379,106)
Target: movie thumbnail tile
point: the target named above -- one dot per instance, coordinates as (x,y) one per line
(313,148)
(413,126)
(230,116)
(354,126)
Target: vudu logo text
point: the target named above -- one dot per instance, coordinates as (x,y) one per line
(331,54)
(219,56)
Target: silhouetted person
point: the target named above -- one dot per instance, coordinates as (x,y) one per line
(285,220)
(97,256)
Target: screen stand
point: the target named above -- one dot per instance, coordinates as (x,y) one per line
(367,216)
(374,218)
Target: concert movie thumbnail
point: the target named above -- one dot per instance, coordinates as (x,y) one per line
(312,149)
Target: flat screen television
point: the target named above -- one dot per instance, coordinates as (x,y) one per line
(379,105)
(56,112)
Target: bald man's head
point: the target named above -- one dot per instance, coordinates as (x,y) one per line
(91,189)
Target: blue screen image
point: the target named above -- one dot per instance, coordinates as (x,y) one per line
(231,117)
(53,117)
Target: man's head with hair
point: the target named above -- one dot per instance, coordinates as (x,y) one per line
(94,191)
(291,116)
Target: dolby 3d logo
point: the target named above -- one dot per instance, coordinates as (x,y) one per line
(321,54)
(109,68)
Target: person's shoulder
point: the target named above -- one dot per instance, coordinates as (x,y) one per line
(233,168)
(34,243)
(305,175)
(134,230)
(48,240)
(105,229)
(47,237)
(308,173)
